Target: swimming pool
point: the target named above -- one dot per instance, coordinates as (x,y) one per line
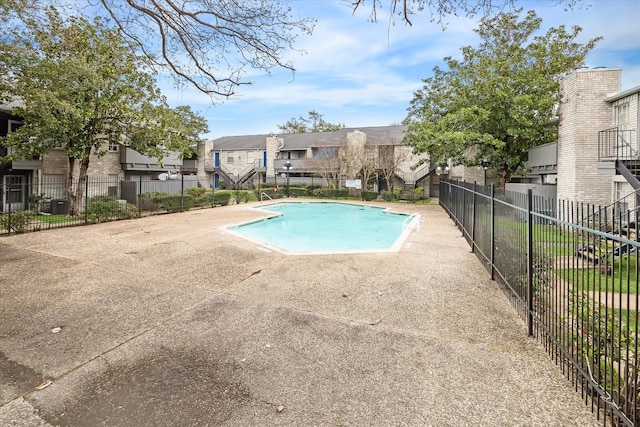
(328,227)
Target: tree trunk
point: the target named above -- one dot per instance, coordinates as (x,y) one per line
(505,176)
(75,193)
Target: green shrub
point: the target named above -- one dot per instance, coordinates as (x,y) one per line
(35,201)
(369,195)
(322,193)
(387,196)
(311,189)
(221,198)
(108,208)
(397,192)
(148,201)
(417,194)
(20,221)
(174,202)
(222,184)
(196,191)
(242,196)
(331,193)
(203,200)
(297,192)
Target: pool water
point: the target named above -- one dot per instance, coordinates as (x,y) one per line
(324,227)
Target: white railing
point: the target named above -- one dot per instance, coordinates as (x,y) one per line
(262,195)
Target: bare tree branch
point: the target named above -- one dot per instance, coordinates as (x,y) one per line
(439,10)
(210,44)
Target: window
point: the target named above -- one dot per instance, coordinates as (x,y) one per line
(626,135)
(230,158)
(251,157)
(622,116)
(14,125)
(113,147)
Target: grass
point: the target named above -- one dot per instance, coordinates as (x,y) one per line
(631,321)
(557,249)
(53,219)
(624,278)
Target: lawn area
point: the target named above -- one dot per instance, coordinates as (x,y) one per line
(631,320)
(53,219)
(624,278)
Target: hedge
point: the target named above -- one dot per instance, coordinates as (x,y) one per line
(221,198)
(369,195)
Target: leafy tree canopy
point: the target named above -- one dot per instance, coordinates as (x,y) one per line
(313,123)
(81,88)
(496,102)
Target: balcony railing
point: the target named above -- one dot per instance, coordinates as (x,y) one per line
(132,160)
(543,158)
(25,164)
(618,144)
(296,164)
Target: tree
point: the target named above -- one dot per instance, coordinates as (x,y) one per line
(389,162)
(367,167)
(313,123)
(206,43)
(326,163)
(439,10)
(497,101)
(82,89)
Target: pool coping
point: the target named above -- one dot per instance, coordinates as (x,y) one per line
(399,242)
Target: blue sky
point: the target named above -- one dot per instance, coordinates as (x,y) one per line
(361,73)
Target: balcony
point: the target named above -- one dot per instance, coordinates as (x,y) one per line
(189,165)
(24,164)
(131,160)
(297,165)
(618,144)
(209,166)
(543,159)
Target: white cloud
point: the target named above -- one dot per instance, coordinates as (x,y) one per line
(364,74)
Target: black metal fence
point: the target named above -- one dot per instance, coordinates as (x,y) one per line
(27,205)
(571,272)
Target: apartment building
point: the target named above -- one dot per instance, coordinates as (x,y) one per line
(596,157)
(250,160)
(47,174)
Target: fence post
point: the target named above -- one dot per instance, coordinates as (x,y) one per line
(181,192)
(139,197)
(493,228)
(464,208)
(86,200)
(529,262)
(213,190)
(473,218)
(8,200)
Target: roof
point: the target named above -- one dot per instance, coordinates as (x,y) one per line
(10,105)
(623,94)
(377,135)
(242,142)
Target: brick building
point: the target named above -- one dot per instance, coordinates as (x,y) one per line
(596,158)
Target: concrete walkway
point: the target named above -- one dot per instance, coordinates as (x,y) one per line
(168,321)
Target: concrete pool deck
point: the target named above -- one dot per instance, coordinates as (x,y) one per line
(168,320)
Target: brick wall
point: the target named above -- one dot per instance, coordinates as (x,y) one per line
(56,162)
(583,112)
